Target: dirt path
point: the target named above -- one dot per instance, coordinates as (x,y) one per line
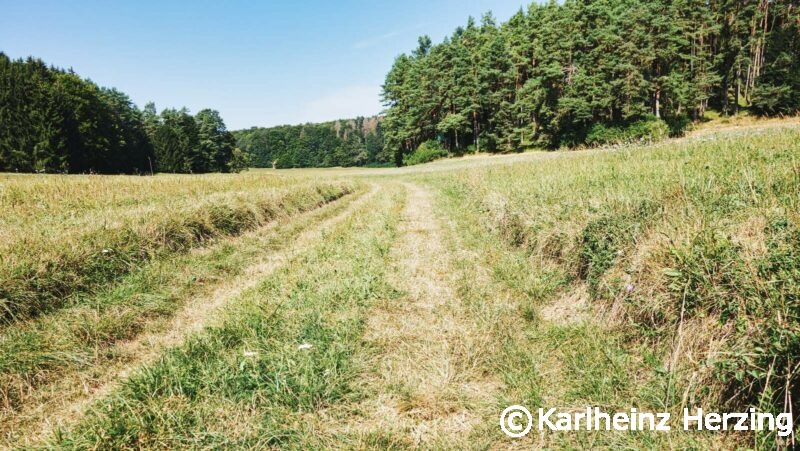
(38,420)
(426,384)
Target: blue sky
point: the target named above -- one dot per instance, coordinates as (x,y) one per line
(259,63)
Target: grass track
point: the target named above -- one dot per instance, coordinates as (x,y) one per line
(130,323)
(246,382)
(425,383)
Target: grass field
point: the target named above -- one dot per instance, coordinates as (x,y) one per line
(405,308)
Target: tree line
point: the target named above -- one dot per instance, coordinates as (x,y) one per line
(354,142)
(52,120)
(562,72)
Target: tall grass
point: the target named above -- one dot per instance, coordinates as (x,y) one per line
(690,247)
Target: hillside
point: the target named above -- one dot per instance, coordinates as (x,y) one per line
(352,142)
(561,74)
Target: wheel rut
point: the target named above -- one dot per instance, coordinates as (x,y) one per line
(426,385)
(39,420)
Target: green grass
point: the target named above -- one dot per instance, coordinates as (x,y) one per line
(45,260)
(81,335)
(248,382)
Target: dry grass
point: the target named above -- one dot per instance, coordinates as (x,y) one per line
(42,412)
(571,307)
(634,276)
(62,235)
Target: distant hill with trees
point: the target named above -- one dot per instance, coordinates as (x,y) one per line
(350,142)
(52,120)
(577,72)
(557,74)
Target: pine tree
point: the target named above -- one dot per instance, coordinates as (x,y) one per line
(556,72)
(52,120)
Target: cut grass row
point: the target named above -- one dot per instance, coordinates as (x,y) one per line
(42,359)
(281,350)
(42,268)
(53,199)
(566,361)
(689,248)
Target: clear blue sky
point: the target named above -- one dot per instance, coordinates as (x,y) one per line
(258,62)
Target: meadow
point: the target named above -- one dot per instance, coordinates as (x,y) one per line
(405,308)
(66,234)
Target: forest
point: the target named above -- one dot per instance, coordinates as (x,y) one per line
(354,142)
(52,120)
(579,72)
(560,74)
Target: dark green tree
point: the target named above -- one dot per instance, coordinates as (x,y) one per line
(52,120)
(561,72)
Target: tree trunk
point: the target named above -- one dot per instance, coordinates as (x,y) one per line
(475,131)
(736,98)
(657,103)
(724,95)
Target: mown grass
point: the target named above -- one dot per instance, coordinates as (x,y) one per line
(567,362)
(64,235)
(282,350)
(688,251)
(656,277)
(80,337)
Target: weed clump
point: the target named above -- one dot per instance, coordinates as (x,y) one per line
(425,153)
(708,276)
(604,238)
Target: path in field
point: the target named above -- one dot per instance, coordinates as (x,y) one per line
(425,385)
(36,422)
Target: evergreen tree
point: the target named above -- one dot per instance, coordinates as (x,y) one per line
(216,143)
(52,120)
(778,88)
(559,72)
(355,142)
